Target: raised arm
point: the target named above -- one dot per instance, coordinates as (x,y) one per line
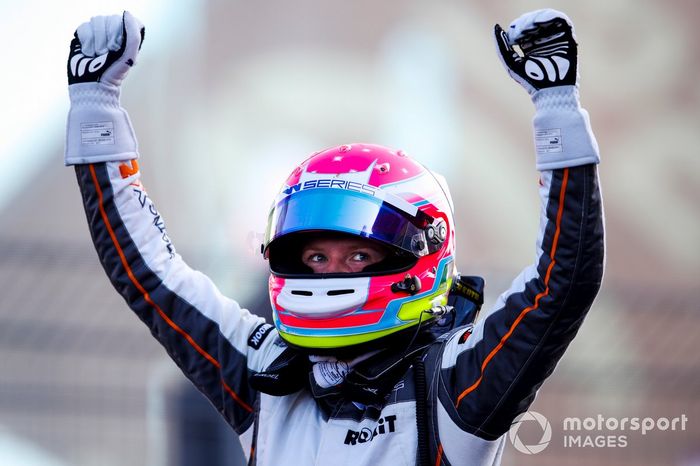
(215,342)
(491,374)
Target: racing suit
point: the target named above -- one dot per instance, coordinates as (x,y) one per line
(477,379)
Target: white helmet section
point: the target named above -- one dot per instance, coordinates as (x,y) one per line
(323,298)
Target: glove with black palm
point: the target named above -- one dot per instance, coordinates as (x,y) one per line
(102,52)
(539,51)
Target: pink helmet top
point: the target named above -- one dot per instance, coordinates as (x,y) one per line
(380,165)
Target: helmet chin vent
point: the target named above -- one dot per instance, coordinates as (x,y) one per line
(329,292)
(315,298)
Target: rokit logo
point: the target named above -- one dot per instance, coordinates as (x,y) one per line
(385,425)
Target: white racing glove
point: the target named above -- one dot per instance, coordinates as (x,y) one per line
(101,54)
(546,65)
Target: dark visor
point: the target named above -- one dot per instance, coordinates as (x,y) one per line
(348,212)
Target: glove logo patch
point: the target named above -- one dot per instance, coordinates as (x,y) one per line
(548,141)
(79,63)
(97,133)
(552,68)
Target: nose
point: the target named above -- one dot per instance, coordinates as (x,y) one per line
(338,265)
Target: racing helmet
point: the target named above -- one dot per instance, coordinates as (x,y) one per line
(372,192)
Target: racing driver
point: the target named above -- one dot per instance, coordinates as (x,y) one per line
(373,355)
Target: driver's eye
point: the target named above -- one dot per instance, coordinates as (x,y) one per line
(360,257)
(316,258)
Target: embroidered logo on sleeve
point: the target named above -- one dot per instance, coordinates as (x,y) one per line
(258,336)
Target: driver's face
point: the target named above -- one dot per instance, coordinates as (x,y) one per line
(341,255)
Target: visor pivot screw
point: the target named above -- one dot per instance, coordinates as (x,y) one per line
(437,232)
(383,168)
(410,284)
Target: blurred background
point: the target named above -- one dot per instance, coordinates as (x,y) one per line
(229,95)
